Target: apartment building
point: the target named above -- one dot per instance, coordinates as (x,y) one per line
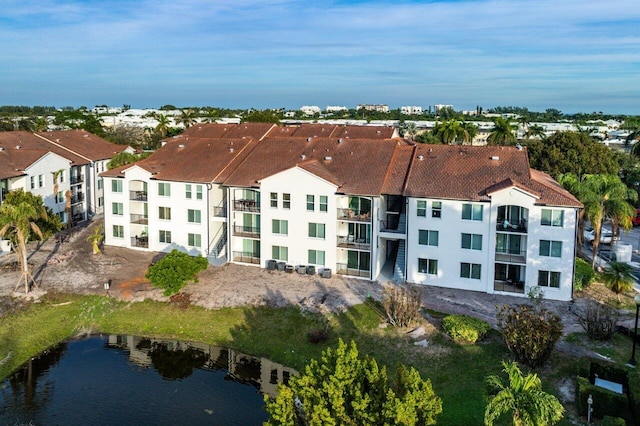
(358,201)
(50,164)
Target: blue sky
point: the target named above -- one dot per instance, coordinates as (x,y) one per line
(574,55)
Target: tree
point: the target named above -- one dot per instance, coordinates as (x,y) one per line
(408,130)
(17,223)
(175,270)
(345,389)
(502,133)
(123,158)
(471,131)
(451,131)
(96,238)
(618,277)
(535,131)
(523,397)
(163,124)
(56,176)
(259,116)
(187,118)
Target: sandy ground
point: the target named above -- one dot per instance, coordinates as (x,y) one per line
(70,266)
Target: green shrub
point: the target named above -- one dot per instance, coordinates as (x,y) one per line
(530,333)
(605,402)
(584,275)
(175,270)
(613,421)
(464,329)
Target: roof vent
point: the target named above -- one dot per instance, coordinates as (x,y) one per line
(495,157)
(378,131)
(340,140)
(57,140)
(18,147)
(181,146)
(86,136)
(1,148)
(231,150)
(303,156)
(327,158)
(309,139)
(420,157)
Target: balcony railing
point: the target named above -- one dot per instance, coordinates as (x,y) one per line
(220,211)
(511,256)
(246,257)
(343,269)
(350,241)
(76,180)
(138,195)
(246,231)
(354,215)
(77,217)
(506,226)
(509,286)
(246,205)
(140,241)
(141,219)
(392,226)
(78,198)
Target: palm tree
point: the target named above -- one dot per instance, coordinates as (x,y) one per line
(450,131)
(617,276)
(523,397)
(502,133)
(536,131)
(96,238)
(186,117)
(471,131)
(163,124)
(16,223)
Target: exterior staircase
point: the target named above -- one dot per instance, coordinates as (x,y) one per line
(219,248)
(402,223)
(398,270)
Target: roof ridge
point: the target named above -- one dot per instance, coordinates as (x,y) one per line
(63,147)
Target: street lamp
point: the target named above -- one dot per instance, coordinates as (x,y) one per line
(632,361)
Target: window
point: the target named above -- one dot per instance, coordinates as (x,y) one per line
(472,241)
(549,279)
(40,181)
(316,257)
(427,238)
(61,179)
(280,253)
(470,270)
(422,208)
(324,203)
(100,183)
(164,213)
(552,217)
(199,192)
(187,191)
(551,248)
(62,216)
(280,226)
(164,189)
(33,182)
(436,209)
(317,230)
(286,201)
(60,197)
(116,185)
(428,266)
(194,240)
(117,209)
(310,203)
(193,216)
(472,211)
(273,197)
(165,237)
(118,231)
(100,201)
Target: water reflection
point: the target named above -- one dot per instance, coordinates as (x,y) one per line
(134,380)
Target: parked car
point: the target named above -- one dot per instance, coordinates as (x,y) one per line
(606,236)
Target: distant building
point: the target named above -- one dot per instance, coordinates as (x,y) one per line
(439,107)
(372,107)
(336,108)
(310,109)
(411,110)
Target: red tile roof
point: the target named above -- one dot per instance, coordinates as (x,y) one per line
(87,145)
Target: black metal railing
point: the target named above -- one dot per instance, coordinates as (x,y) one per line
(140,241)
(76,180)
(391,226)
(512,286)
(138,195)
(77,198)
(141,219)
(246,257)
(344,269)
(246,231)
(355,215)
(246,205)
(351,241)
(511,256)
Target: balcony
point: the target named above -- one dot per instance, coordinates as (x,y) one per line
(509,285)
(343,269)
(220,211)
(354,215)
(350,241)
(246,231)
(511,256)
(75,180)
(506,226)
(138,195)
(141,219)
(246,257)
(140,241)
(246,206)
(77,198)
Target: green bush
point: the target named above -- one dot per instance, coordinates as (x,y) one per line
(613,421)
(530,333)
(605,402)
(584,275)
(175,270)
(464,329)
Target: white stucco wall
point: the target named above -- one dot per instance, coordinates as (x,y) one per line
(45,167)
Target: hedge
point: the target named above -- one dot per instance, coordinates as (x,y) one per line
(464,329)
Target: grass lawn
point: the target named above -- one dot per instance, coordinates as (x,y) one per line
(457,371)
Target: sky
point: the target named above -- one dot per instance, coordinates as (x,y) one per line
(573,55)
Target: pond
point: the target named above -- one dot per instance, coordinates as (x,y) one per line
(133,380)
